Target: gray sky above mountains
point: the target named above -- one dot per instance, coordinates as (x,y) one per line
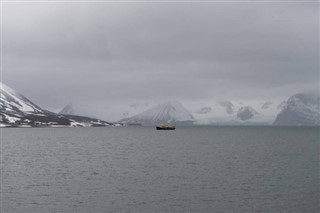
(56,53)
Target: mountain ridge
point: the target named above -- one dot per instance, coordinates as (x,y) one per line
(301,109)
(168,112)
(18,111)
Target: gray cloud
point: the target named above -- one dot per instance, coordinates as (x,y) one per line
(55,53)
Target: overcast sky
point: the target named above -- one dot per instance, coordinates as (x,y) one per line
(56,53)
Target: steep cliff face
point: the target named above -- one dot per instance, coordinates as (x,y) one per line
(18,111)
(301,109)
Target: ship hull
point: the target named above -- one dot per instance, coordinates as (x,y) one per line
(165,128)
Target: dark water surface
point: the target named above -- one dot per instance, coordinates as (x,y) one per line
(139,169)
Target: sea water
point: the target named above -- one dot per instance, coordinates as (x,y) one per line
(140,169)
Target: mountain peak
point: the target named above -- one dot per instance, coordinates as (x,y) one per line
(17,111)
(301,109)
(167,112)
(68,110)
(11,100)
(5,88)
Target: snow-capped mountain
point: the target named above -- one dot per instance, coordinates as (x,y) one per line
(266,105)
(68,110)
(18,111)
(302,109)
(227,105)
(237,113)
(85,109)
(12,101)
(169,112)
(204,110)
(111,112)
(246,113)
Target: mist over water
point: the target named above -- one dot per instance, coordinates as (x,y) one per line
(139,169)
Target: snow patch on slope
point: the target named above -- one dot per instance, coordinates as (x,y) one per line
(226,112)
(302,109)
(13,101)
(17,111)
(169,112)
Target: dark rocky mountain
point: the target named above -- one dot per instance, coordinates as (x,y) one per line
(301,109)
(246,113)
(18,111)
